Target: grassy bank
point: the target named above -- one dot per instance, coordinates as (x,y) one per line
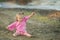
(42,27)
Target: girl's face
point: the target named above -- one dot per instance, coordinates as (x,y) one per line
(19,17)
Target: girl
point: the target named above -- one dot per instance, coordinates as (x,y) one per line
(20,24)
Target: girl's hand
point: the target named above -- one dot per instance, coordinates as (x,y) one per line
(33,13)
(6,27)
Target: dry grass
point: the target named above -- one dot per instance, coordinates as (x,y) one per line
(41,27)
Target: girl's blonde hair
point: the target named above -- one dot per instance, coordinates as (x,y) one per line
(19,14)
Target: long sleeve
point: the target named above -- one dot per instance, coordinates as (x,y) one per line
(12,26)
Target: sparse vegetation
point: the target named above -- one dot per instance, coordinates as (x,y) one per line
(42,27)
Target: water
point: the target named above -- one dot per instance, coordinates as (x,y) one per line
(39,4)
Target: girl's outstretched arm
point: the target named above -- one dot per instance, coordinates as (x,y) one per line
(12,26)
(33,13)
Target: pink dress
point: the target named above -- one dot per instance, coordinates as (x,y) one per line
(20,27)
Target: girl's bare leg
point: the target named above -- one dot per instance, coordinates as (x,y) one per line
(24,34)
(15,34)
(27,34)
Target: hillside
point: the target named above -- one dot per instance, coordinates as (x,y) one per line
(42,27)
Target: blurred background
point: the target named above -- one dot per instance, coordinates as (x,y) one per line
(31,4)
(40,2)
